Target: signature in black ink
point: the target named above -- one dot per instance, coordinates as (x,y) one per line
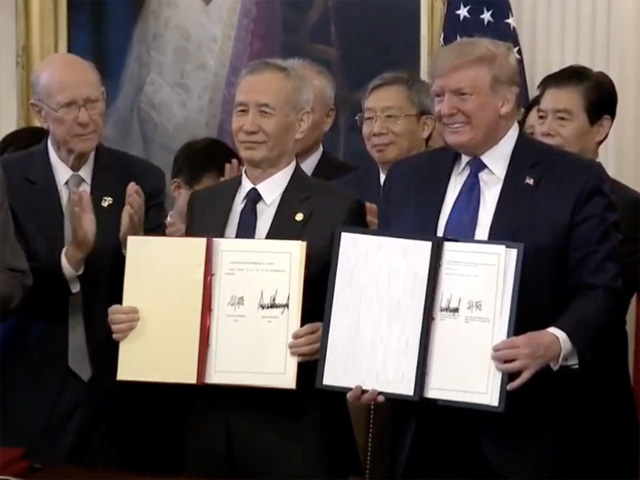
(447,307)
(272,304)
(474,306)
(236,301)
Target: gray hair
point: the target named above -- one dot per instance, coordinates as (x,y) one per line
(301,86)
(418,90)
(35,80)
(318,70)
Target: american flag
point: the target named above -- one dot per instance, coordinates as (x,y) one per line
(484,18)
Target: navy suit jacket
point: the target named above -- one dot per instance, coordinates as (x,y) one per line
(364,184)
(556,204)
(33,343)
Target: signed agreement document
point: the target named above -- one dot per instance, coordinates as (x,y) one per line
(213,310)
(416,317)
(377,310)
(472,312)
(257,301)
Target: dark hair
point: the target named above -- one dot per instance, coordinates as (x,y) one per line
(598,90)
(22,139)
(533,103)
(418,90)
(199,158)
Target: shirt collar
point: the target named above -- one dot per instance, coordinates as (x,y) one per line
(497,157)
(310,164)
(61,170)
(271,188)
(382,177)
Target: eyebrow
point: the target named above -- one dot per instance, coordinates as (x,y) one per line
(556,111)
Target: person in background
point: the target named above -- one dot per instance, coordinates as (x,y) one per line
(397,121)
(311,154)
(22,139)
(529,119)
(197,164)
(74,203)
(15,276)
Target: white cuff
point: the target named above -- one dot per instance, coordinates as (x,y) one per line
(70,274)
(568,354)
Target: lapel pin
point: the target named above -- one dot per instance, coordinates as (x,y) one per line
(299,217)
(529,181)
(106,201)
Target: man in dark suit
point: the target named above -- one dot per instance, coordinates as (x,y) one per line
(266,433)
(15,276)
(397,122)
(314,159)
(74,203)
(567,363)
(579,107)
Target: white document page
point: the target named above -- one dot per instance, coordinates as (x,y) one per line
(256,307)
(377,313)
(471,314)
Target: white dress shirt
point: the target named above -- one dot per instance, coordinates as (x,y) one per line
(382,177)
(310,164)
(491,179)
(61,173)
(271,191)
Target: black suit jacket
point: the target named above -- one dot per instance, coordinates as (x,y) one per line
(628,202)
(33,344)
(15,276)
(330,167)
(364,183)
(556,204)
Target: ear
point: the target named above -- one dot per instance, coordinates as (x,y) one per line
(602,129)
(302,123)
(427,125)
(329,118)
(509,101)
(38,113)
(175,187)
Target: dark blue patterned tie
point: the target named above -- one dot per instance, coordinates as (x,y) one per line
(463,217)
(249,215)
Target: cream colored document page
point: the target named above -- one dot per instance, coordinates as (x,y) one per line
(164,278)
(256,306)
(378,313)
(471,314)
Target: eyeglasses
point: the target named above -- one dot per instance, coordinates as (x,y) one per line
(71,110)
(388,119)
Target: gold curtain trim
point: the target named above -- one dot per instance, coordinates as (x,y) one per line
(432,15)
(42,31)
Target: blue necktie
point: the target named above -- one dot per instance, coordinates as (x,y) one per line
(249,215)
(463,217)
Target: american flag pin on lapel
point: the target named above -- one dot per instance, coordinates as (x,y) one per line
(529,181)
(106,201)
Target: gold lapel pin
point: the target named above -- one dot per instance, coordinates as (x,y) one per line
(299,217)
(106,201)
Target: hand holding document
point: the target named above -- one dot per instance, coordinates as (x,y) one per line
(213,311)
(413,317)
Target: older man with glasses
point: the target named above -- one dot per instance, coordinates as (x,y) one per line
(397,121)
(74,203)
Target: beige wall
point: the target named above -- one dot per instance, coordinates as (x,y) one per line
(8,61)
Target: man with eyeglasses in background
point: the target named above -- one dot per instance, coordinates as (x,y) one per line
(74,203)
(397,121)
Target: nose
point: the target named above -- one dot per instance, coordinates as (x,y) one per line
(83,116)
(545,128)
(250,124)
(445,107)
(379,127)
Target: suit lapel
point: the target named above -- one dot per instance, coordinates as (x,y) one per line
(45,199)
(435,185)
(292,213)
(322,169)
(518,188)
(221,211)
(107,196)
